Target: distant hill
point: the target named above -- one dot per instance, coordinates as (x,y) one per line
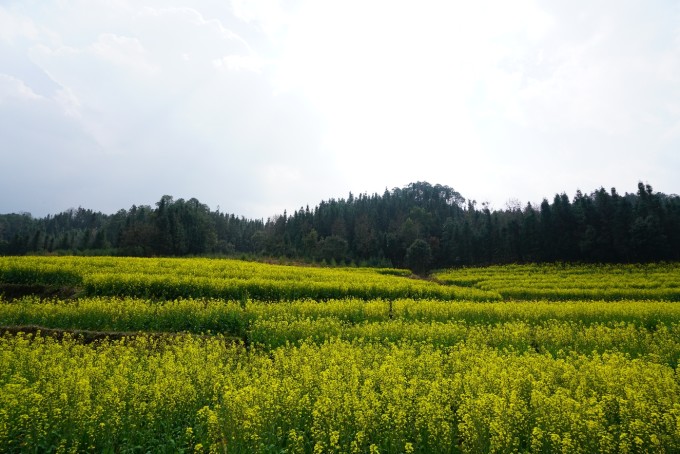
(420,226)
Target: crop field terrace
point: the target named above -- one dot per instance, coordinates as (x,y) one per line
(200,355)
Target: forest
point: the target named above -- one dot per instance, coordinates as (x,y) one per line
(420,227)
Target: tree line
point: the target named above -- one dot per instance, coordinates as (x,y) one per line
(420,226)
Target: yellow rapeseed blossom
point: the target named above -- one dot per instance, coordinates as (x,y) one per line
(186,368)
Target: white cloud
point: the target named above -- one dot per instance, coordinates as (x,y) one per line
(261,105)
(14,27)
(123,52)
(268,15)
(396,82)
(156,116)
(240,62)
(122,85)
(11,87)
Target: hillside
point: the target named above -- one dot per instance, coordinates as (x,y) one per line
(420,226)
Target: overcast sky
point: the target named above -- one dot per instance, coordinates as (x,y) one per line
(257,106)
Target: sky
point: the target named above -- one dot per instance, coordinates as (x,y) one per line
(258,106)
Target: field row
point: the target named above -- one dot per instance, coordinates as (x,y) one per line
(635,328)
(124,310)
(232,279)
(200,395)
(562,282)
(225,279)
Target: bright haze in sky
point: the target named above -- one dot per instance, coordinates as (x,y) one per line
(257,106)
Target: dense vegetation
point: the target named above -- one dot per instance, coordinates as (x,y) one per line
(420,227)
(136,371)
(222,278)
